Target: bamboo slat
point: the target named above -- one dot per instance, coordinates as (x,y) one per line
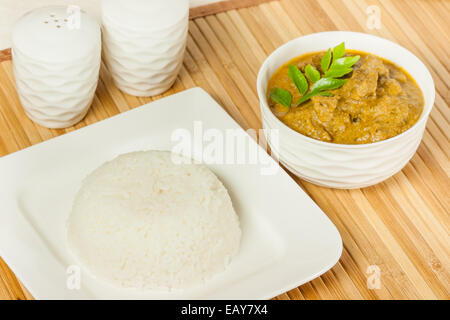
(400,226)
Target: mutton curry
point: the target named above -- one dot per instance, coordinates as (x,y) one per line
(377,101)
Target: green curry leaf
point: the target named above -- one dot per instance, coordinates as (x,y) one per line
(328,84)
(334,65)
(338,51)
(307,97)
(337,72)
(281,96)
(312,73)
(325,62)
(346,62)
(312,94)
(298,78)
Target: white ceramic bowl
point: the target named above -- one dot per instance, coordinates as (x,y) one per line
(341,165)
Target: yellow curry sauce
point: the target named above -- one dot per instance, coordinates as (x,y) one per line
(379,100)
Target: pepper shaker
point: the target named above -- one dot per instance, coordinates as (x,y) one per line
(144,43)
(56,62)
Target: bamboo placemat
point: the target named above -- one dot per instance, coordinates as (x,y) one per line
(400,226)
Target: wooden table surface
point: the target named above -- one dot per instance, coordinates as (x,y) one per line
(399,227)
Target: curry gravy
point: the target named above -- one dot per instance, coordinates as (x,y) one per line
(379,100)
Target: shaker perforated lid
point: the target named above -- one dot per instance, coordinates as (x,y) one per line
(148,14)
(56,34)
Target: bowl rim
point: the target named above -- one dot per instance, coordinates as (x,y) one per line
(262,92)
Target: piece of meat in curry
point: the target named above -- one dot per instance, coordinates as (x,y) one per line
(379,101)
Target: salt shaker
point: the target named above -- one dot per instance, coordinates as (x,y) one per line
(56,61)
(144,43)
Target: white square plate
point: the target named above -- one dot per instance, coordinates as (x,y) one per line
(286,239)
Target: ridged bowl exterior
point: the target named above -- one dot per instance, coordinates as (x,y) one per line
(338,165)
(144,63)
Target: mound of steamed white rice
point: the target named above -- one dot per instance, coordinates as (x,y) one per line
(142,221)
